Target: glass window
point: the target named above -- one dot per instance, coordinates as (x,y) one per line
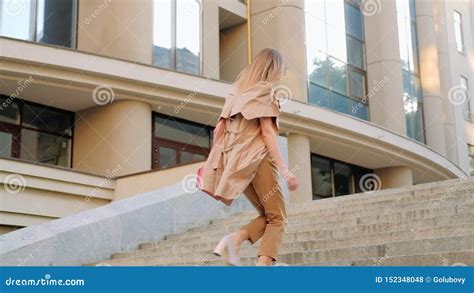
(318,69)
(162,39)
(46,21)
(359,110)
(354,25)
(318,95)
(6,143)
(36,132)
(335,44)
(413,96)
(336,30)
(178,141)
(357,84)
(177,35)
(467,106)
(180,131)
(40,117)
(331,177)
(316,38)
(45,148)
(355,52)
(9,111)
(458,32)
(321,177)
(168,157)
(339,103)
(188,157)
(342,179)
(338,76)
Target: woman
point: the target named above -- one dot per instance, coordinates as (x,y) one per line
(245,157)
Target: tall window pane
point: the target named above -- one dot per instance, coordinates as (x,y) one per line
(188,36)
(458,31)
(177,35)
(36,132)
(162,34)
(46,21)
(334,47)
(321,177)
(17,19)
(412,96)
(56,22)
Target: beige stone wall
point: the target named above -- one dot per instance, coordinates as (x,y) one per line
(116,28)
(113,139)
(140,183)
(233,51)
(44,193)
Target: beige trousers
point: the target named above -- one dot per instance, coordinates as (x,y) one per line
(265,194)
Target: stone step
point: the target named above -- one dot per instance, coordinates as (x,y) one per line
(396,216)
(306,232)
(290,245)
(372,198)
(450,258)
(350,213)
(442,244)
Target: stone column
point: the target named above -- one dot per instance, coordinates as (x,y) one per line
(280,24)
(384,69)
(114,139)
(391,177)
(299,158)
(429,74)
(451,136)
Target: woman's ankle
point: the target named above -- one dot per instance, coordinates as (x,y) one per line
(264,260)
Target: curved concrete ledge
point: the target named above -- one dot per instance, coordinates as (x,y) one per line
(64,72)
(95,234)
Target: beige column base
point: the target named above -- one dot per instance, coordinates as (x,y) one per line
(299,159)
(392,177)
(114,139)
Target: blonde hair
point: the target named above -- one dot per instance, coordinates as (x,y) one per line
(268,65)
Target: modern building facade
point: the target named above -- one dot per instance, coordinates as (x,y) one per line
(105,99)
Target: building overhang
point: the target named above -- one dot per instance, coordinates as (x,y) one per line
(66,79)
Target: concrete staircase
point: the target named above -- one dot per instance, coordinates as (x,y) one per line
(425,225)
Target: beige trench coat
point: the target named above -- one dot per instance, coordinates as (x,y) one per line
(233,160)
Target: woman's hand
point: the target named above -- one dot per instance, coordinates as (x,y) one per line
(290,178)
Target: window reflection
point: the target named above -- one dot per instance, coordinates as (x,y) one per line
(335,48)
(413,96)
(46,21)
(177,35)
(331,177)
